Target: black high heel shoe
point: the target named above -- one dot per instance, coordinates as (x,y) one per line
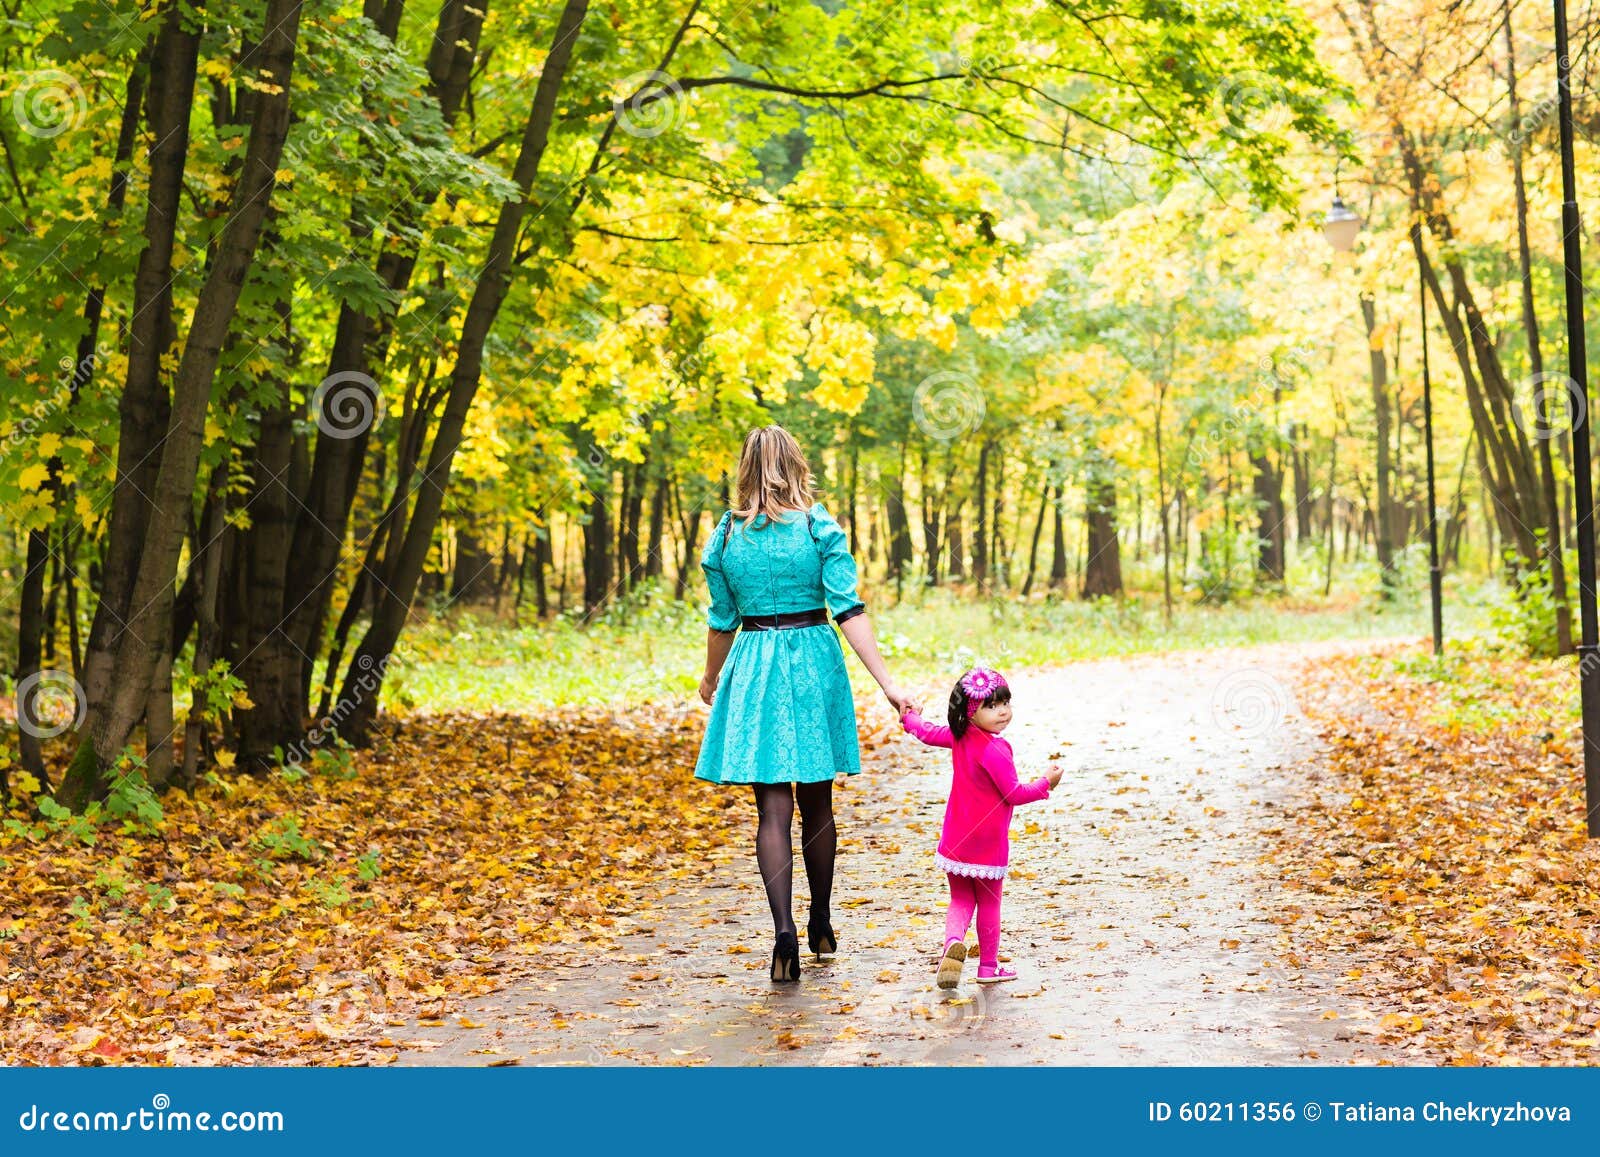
(786,958)
(822,939)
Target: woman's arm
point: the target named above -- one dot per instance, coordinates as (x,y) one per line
(718,644)
(723,617)
(858,630)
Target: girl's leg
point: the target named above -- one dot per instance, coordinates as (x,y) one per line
(988,895)
(775,851)
(963,900)
(819,843)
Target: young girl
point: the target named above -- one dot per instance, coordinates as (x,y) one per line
(974,847)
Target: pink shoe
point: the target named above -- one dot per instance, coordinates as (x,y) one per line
(995,975)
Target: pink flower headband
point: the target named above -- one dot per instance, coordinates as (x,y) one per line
(980,683)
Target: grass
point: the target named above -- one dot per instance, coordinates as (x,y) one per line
(651,650)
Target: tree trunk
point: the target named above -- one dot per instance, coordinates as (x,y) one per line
(658,522)
(214,536)
(30,622)
(364,680)
(632,514)
(1058,554)
(980,530)
(597,545)
(270,660)
(1102,570)
(1300,461)
(31,630)
(957,545)
(1038,530)
(148,628)
(1333,481)
(474,568)
(359,349)
(900,552)
(1530,321)
(1378,366)
(144,405)
(1166,518)
(541,560)
(1269,509)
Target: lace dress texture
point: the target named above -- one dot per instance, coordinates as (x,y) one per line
(783,711)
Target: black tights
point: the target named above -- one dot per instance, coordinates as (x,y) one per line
(819,841)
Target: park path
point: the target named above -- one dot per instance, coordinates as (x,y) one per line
(1137,912)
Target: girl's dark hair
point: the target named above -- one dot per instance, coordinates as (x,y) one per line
(959,700)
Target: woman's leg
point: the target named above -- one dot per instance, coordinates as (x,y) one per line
(819,843)
(775,851)
(988,922)
(963,900)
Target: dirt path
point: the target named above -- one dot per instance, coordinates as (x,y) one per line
(1135,912)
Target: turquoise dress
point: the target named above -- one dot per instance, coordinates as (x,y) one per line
(783,711)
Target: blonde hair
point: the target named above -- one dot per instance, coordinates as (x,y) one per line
(773,475)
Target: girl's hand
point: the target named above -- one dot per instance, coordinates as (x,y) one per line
(708,689)
(1053,776)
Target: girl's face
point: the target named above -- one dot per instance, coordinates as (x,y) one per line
(993,718)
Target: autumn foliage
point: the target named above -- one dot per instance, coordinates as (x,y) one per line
(307,920)
(1441,864)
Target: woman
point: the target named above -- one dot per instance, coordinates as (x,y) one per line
(782,715)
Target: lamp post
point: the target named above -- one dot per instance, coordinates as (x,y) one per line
(1340,227)
(1578,373)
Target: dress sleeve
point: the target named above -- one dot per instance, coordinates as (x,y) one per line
(997,761)
(724,613)
(838,567)
(933,734)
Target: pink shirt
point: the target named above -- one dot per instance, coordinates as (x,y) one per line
(976,840)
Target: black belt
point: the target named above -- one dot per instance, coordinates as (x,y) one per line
(786,621)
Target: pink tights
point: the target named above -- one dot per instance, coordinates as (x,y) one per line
(968,893)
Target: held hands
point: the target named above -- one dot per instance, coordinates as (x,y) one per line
(900,700)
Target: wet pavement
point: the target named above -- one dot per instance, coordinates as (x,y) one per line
(1144,927)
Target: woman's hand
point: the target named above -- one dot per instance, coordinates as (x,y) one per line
(708,688)
(900,700)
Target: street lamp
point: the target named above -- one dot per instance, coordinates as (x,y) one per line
(1340,226)
(1578,406)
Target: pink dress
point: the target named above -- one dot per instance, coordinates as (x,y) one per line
(976,840)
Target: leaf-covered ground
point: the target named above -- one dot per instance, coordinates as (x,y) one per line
(494,889)
(1443,858)
(301,921)
(1137,913)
